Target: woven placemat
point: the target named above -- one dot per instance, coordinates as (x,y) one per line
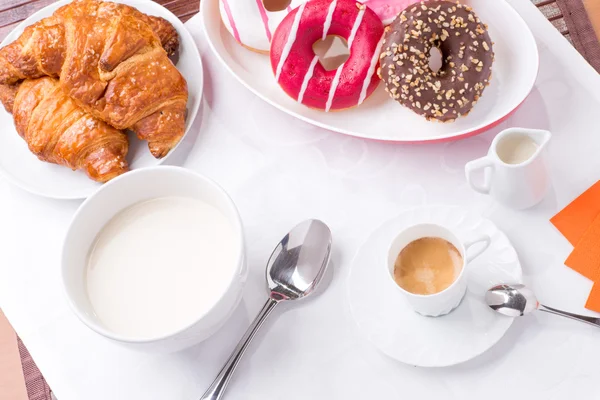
(37,388)
(571,19)
(581,31)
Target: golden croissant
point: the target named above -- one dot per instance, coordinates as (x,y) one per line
(111,59)
(58,131)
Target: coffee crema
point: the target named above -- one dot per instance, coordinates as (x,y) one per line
(427,266)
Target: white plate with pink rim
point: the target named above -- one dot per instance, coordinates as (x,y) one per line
(23,169)
(379,117)
(389,323)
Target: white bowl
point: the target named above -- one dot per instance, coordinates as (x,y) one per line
(121,193)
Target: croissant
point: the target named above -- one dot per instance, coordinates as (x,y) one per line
(111,60)
(60,132)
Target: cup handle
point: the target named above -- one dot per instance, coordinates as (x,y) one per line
(468,244)
(476,165)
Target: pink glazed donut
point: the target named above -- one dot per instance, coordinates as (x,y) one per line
(387,10)
(297,69)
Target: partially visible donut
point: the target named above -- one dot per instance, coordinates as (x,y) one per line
(297,68)
(387,10)
(467,58)
(250,23)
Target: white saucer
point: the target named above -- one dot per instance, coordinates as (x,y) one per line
(387,320)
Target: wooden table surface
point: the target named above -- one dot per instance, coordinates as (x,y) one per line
(593,8)
(14,11)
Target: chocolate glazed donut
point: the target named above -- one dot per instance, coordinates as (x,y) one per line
(467,58)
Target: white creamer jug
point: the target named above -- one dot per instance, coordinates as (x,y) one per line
(515,171)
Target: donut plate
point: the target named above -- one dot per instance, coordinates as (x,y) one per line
(379,117)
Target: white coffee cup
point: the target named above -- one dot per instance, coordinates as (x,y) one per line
(441,303)
(520,184)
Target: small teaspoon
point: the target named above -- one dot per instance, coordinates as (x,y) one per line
(516,300)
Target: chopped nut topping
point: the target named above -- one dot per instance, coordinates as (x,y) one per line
(407,75)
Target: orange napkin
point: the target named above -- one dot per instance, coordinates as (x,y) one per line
(579,222)
(585,257)
(593,301)
(576,218)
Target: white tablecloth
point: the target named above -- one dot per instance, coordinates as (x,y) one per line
(280,171)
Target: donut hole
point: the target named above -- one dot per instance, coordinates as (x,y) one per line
(435,59)
(332,51)
(276,5)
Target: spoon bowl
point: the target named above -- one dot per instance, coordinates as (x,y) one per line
(299,261)
(512,300)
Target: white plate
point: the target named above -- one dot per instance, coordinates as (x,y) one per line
(381,118)
(23,169)
(388,322)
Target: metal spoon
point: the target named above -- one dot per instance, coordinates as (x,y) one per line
(295,268)
(517,300)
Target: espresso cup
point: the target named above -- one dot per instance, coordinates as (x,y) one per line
(440,303)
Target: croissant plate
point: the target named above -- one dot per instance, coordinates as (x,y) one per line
(113,62)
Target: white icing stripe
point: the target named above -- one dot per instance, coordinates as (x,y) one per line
(359,18)
(311,68)
(328,19)
(290,41)
(367,81)
(307,77)
(334,85)
(338,72)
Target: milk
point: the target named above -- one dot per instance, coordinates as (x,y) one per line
(516,149)
(159,265)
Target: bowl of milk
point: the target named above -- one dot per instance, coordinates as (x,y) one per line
(155,258)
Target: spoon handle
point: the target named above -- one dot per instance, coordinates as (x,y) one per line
(217,388)
(583,318)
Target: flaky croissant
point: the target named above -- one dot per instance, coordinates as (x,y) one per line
(58,131)
(110,59)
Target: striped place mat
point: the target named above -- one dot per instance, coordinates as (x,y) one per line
(571,19)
